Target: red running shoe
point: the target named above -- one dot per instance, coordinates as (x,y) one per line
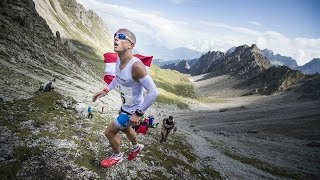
(112,160)
(135,152)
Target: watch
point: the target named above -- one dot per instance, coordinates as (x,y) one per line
(139,112)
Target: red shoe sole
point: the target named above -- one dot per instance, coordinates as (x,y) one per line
(133,155)
(109,163)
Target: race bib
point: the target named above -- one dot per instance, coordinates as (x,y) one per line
(126,95)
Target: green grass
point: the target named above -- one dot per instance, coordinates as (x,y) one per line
(88,160)
(172,81)
(11,78)
(170,98)
(174,87)
(21,154)
(180,146)
(176,144)
(212,173)
(42,111)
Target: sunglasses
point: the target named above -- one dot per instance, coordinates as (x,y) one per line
(122,37)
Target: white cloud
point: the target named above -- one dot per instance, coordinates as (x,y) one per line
(153,28)
(177,1)
(255,23)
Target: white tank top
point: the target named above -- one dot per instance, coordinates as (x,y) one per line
(131,91)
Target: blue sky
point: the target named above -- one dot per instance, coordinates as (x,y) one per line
(288,27)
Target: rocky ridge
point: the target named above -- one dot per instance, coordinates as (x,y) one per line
(252,71)
(76,25)
(31,55)
(182,66)
(279,60)
(311,67)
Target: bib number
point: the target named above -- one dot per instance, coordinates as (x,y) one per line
(126,95)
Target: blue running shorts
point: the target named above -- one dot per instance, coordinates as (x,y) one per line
(122,121)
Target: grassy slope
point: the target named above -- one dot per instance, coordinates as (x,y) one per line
(176,88)
(42,111)
(173,87)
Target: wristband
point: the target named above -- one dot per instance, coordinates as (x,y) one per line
(138,112)
(106,90)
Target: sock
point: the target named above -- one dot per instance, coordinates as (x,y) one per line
(117,155)
(135,146)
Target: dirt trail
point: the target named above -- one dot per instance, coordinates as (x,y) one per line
(254,137)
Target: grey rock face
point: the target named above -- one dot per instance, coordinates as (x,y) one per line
(243,62)
(279,60)
(29,52)
(205,62)
(182,66)
(311,67)
(274,79)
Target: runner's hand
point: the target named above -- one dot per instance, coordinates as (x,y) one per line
(99,95)
(134,120)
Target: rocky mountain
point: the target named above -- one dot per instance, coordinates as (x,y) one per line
(244,62)
(182,66)
(311,67)
(279,60)
(249,66)
(271,80)
(231,50)
(33,54)
(161,62)
(76,26)
(205,62)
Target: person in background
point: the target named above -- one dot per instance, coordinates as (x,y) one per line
(104,108)
(90,115)
(49,86)
(151,118)
(151,122)
(167,126)
(143,126)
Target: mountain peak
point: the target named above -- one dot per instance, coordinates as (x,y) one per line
(311,67)
(268,52)
(231,50)
(254,48)
(279,60)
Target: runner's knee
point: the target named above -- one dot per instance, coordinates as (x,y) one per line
(109,133)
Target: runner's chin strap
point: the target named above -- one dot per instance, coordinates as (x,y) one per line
(149,85)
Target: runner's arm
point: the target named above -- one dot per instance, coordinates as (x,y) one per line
(106,90)
(113,84)
(139,73)
(149,85)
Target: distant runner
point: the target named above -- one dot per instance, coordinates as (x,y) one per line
(90,115)
(132,77)
(167,126)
